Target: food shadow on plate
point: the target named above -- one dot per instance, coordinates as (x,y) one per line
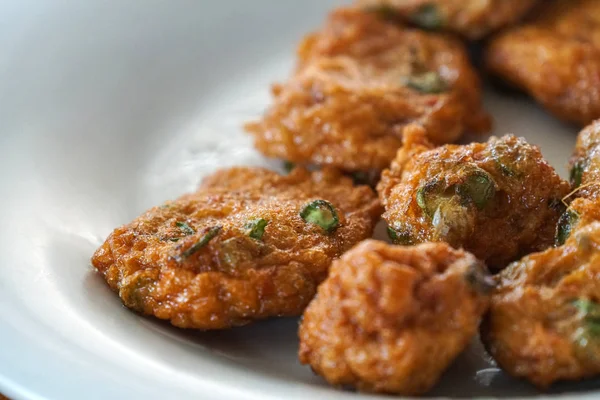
(269,349)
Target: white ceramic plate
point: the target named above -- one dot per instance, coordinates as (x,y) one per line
(109,107)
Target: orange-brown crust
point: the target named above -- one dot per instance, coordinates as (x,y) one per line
(534,329)
(391,319)
(348,102)
(235,279)
(519,219)
(473,19)
(555,58)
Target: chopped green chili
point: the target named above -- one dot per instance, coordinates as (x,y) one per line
(565,225)
(321,213)
(478,188)
(204,240)
(576,174)
(256,228)
(427,17)
(185,228)
(429,82)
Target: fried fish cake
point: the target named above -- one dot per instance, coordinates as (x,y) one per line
(585,163)
(473,19)
(555,58)
(249,244)
(544,319)
(359,82)
(392,319)
(500,199)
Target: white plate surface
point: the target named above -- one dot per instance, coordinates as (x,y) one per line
(109,107)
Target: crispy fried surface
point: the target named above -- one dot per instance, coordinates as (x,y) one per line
(544,318)
(500,199)
(391,319)
(350,98)
(556,59)
(163,268)
(585,163)
(472,19)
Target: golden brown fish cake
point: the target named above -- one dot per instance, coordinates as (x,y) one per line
(392,319)
(544,319)
(556,59)
(473,19)
(359,82)
(248,245)
(500,199)
(585,163)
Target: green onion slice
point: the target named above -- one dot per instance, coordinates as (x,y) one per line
(565,226)
(576,174)
(429,82)
(204,240)
(322,213)
(478,188)
(256,228)
(185,228)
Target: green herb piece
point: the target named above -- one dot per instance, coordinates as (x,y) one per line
(185,228)
(565,226)
(427,82)
(288,166)
(174,239)
(204,240)
(576,174)
(256,228)
(322,213)
(397,237)
(478,188)
(427,17)
(429,197)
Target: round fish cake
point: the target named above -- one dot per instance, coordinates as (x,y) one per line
(359,82)
(585,163)
(555,58)
(391,319)
(473,19)
(249,244)
(544,319)
(500,199)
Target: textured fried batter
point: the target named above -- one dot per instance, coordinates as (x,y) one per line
(556,59)
(472,19)
(392,319)
(544,320)
(500,199)
(359,82)
(585,163)
(237,250)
